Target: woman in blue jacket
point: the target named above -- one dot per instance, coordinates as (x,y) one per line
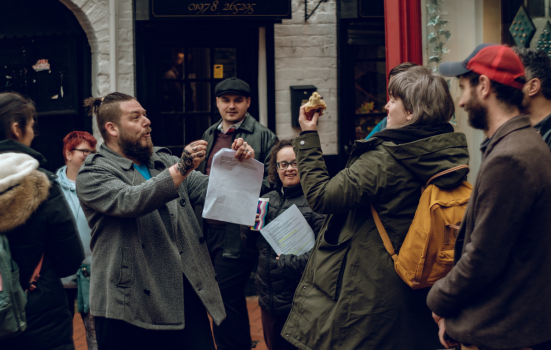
(77,145)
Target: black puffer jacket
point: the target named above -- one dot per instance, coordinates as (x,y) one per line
(276,280)
(40,221)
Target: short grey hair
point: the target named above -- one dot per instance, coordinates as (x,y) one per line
(424,94)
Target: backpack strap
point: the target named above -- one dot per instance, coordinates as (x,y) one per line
(35,276)
(384,236)
(451,170)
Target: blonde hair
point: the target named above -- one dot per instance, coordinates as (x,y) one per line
(424,94)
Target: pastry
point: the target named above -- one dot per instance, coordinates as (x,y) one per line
(314,104)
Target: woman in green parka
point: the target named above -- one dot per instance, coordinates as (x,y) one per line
(350,296)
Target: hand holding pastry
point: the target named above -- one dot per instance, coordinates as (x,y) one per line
(314,104)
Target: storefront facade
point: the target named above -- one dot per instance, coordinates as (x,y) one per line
(171,54)
(184,49)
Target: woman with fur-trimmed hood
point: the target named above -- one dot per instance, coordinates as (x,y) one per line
(38,222)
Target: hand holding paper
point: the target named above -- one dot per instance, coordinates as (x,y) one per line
(244,151)
(289,233)
(234,187)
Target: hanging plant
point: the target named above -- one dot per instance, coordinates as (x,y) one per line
(436,39)
(437,35)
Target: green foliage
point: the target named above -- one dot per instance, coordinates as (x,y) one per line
(434,21)
(437,36)
(445,33)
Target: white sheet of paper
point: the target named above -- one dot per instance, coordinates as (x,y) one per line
(289,233)
(234,188)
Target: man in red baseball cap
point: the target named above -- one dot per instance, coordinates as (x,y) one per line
(497,295)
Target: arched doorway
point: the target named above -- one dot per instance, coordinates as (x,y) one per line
(44,54)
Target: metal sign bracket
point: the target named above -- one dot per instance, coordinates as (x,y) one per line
(306,15)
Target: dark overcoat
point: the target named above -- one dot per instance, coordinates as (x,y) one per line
(497,295)
(350,296)
(38,220)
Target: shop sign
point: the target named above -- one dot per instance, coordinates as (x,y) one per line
(221,8)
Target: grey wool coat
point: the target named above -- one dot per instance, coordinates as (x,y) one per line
(138,265)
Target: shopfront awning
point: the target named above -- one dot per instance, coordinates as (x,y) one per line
(27,18)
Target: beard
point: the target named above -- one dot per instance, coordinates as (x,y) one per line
(134,148)
(478,114)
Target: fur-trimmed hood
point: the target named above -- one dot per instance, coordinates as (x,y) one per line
(22,189)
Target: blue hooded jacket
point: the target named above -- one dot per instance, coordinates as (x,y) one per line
(69,191)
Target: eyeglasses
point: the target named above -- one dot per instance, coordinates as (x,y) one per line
(85,152)
(285,165)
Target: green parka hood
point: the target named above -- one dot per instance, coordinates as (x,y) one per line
(425,159)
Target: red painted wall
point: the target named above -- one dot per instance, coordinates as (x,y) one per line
(403,32)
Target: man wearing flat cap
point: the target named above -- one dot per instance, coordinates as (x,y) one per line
(232,262)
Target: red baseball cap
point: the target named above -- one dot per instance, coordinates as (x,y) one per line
(499,63)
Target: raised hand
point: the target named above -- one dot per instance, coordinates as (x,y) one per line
(244,151)
(193,155)
(306,123)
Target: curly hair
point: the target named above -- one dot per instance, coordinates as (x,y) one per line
(537,64)
(273,177)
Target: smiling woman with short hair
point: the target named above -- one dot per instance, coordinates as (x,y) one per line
(277,276)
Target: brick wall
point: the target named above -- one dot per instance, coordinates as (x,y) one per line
(93,16)
(306,54)
(125,44)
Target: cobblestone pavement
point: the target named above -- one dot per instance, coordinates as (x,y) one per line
(79,335)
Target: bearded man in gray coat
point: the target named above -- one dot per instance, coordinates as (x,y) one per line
(151,276)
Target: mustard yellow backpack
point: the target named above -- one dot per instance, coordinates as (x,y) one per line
(427,252)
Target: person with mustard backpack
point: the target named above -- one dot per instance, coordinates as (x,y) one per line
(350,296)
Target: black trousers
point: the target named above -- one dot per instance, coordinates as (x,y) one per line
(232,274)
(71,299)
(119,335)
